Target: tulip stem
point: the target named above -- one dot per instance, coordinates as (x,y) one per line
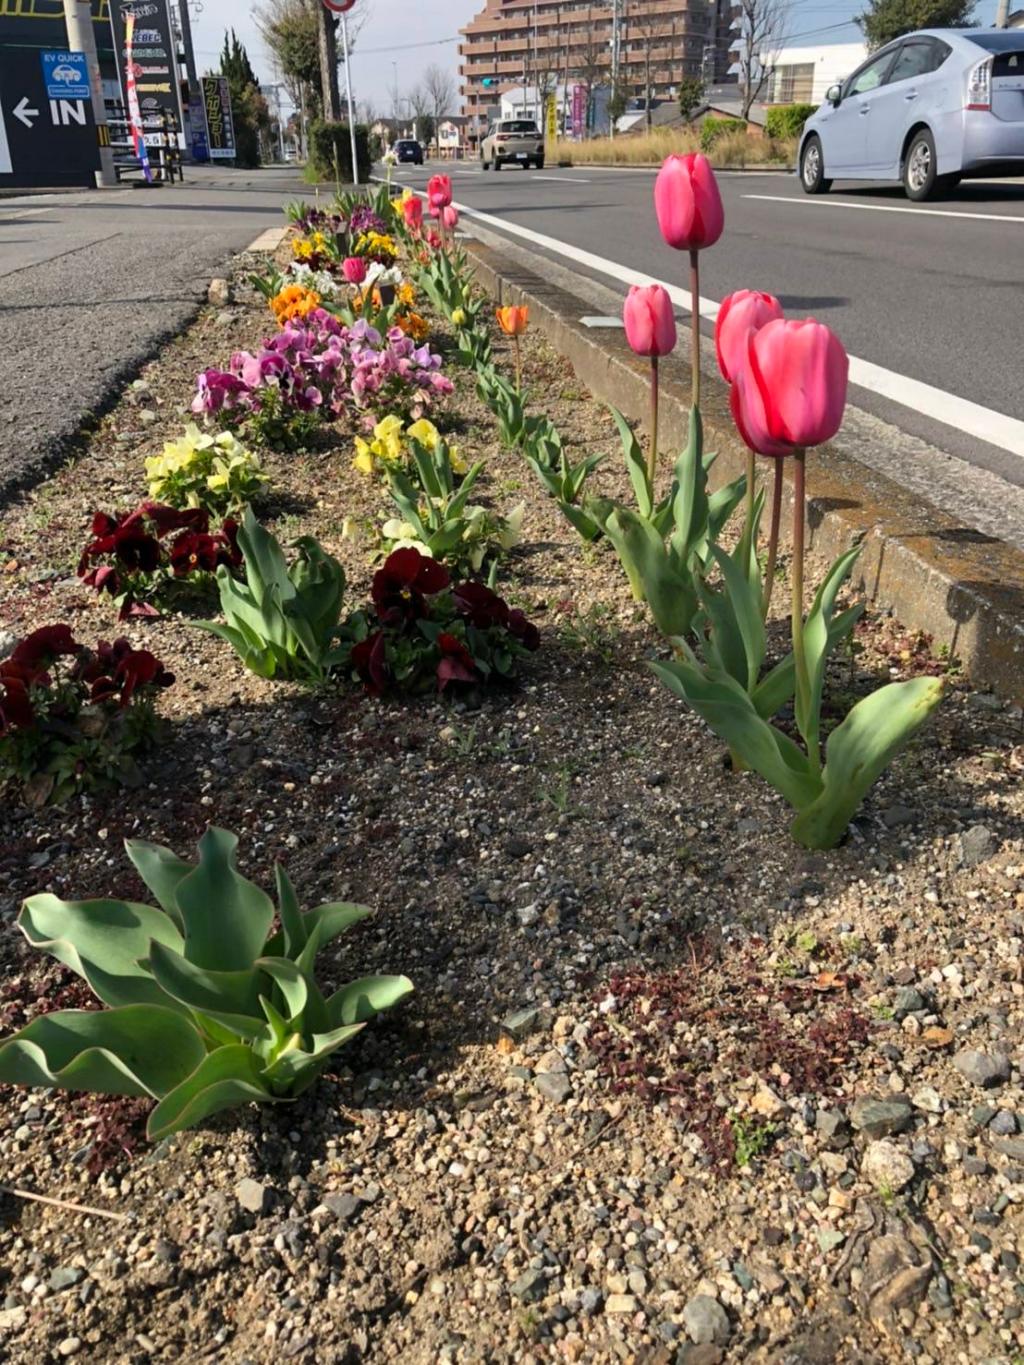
(748,529)
(773,540)
(519,366)
(695,325)
(652,454)
(803,680)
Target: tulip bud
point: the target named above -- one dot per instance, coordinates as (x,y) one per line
(790,392)
(450,217)
(354,269)
(688,204)
(650,321)
(738,314)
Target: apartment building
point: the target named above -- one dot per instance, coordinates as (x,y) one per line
(547,43)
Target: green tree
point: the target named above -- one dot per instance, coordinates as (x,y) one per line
(885,20)
(249,110)
(691,96)
(289,29)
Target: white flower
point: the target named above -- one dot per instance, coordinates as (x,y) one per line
(378,274)
(390,158)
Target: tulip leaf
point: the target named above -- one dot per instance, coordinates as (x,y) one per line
(668,588)
(818,642)
(161,870)
(741,619)
(224,1078)
(232,998)
(293,928)
(690,499)
(636,464)
(132,1050)
(104,941)
(585,525)
(731,714)
(361,1000)
(227,918)
(859,750)
(290,981)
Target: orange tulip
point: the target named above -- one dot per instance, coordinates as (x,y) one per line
(513,320)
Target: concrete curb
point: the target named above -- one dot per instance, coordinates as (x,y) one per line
(963,588)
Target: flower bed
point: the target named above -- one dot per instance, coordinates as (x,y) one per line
(626,1082)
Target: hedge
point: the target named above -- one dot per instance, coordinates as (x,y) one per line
(787,120)
(330,145)
(713,128)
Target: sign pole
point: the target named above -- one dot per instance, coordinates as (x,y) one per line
(348,93)
(78,18)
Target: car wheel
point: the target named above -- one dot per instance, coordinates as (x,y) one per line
(485,165)
(919,178)
(497,163)
(812,167)
(539,163)
(946,184)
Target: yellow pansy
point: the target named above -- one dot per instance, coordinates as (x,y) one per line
(426,433)
(363,458)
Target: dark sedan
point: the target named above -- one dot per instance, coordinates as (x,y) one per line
(406,149)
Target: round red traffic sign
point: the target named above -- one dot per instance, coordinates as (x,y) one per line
(339,6)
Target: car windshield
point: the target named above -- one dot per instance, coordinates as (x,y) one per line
(407,145)
(1003,40)
(518,125)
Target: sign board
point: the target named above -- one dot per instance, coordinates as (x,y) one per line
(65,75)
(217,97)
(153,61)
(197,129)
(44,141)
(579,111)
(551,118)
(339,6)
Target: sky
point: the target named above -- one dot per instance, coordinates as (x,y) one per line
(403,37)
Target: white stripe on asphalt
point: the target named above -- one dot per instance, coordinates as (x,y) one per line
(972,419)
(823,203)
(569,179)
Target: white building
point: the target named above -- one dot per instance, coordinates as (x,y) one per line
(801,75)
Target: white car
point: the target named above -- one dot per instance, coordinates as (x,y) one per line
(928,109)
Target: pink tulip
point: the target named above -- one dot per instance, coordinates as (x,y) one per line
(354,269)
(791,391)
(439,191)
(650,322)
(688,204)
(738,314)
(450,217)
(412,211)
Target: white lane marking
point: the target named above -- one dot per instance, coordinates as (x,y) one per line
(25,213)
(569,179)
(985,424)
(823,203)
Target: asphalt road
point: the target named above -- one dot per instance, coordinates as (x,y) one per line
(92,283)
(928,293)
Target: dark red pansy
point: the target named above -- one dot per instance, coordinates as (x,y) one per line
(456,663)
(403,581)
(479,605)
(370,662)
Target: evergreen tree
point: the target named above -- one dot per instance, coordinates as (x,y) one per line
(248,107)
(885,20)
(691,96)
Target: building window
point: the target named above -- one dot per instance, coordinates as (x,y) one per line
(793,84)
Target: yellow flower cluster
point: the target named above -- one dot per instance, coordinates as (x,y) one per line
(390,445)
(378,246)
(204,470)
(294,301)
(312,245)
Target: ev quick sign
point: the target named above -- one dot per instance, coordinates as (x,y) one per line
(65,75)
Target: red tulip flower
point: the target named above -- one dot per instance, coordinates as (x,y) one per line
(354,269)
(790,392)
(738,314)
(439,191)
(651,331)
(650,320)
(450,217)
(412,212)
(688,204)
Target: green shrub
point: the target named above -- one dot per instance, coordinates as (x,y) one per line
(330,146)
(208,1005)
(787,120)
(713,128)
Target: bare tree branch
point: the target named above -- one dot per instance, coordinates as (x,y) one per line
(759,32)
(441,95)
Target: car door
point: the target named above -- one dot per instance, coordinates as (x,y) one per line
(904,99)
(844,133)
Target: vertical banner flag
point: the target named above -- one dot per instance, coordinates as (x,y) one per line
(132,96)
(579,111)
(217,97)
(551,118)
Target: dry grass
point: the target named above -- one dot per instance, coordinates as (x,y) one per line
(642,149)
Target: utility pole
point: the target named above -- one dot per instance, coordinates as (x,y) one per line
(196,103)
(1002,13)
(78,18)
(351,106)
(328,44)
(616,21)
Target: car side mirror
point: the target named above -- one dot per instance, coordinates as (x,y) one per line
(834,95)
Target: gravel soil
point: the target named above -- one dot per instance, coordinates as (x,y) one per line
(670,1088)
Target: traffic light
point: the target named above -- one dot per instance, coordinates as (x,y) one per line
(488,81)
